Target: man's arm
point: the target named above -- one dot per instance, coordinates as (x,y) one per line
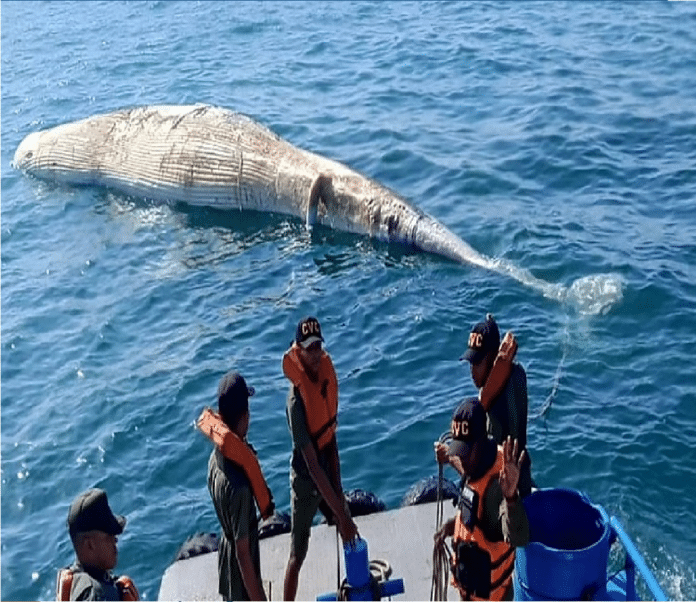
(517,401)
(334,466)
(346,526)
(252,581)
(512,516)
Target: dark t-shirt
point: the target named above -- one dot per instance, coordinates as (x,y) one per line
(508,417)
(508,413)
(234,503)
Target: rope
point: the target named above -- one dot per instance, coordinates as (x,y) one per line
(441,554)
(441,565)
(380,571)
(546,406)
(338,564)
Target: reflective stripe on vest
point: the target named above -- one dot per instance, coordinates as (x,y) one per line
(502,554)
(237,451)
(320,398)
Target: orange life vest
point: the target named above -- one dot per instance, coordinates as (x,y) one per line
(320,398)
(237,451)
(500,371)
(502,554)
(125,586)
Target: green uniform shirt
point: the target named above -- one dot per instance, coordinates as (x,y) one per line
(92,585)
(234,503)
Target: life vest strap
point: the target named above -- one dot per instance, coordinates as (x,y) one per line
(504,577)
(509,552)
(317,437)
(64,581)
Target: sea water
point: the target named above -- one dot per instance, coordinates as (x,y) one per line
(557,138)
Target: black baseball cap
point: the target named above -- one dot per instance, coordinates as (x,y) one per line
(308,331)
(468,427)
(90,511)
(483,338)
(233,397)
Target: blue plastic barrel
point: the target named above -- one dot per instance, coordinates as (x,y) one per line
(566,558)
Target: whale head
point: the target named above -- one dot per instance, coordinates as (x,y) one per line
(26,155)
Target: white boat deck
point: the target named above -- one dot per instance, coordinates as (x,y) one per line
(402,537)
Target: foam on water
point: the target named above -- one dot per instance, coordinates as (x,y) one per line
(596,294)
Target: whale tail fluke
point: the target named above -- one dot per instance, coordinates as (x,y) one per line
(596,293)
(589,295)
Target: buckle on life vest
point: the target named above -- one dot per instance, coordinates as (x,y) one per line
(468,506)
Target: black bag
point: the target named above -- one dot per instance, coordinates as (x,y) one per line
(472,570)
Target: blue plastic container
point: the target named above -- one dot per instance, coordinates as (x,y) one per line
(568,552)
(357,562)
(358,569)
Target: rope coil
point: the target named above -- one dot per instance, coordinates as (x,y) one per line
(441,552)
(380,571)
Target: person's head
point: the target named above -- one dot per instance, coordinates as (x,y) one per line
(233,402)
(484,342)
(94,528)
(470,441)
(309,340)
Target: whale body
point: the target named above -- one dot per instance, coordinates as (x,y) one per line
(210,156)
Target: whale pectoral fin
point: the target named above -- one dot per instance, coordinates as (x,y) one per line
(319,191)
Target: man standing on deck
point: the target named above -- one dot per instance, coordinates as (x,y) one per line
(315,474)
(491,520)
(232,481)
(502,385)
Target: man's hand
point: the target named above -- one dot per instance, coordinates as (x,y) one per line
(508,347)
(510,473)
(441,452)
(445,531)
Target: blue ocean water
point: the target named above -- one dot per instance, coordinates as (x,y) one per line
(558,137)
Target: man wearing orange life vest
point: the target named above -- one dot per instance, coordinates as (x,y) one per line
(93,529)
(502,384)
(239,559)
(490,521)
(311,411)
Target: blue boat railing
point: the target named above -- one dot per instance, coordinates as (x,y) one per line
(634,560)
